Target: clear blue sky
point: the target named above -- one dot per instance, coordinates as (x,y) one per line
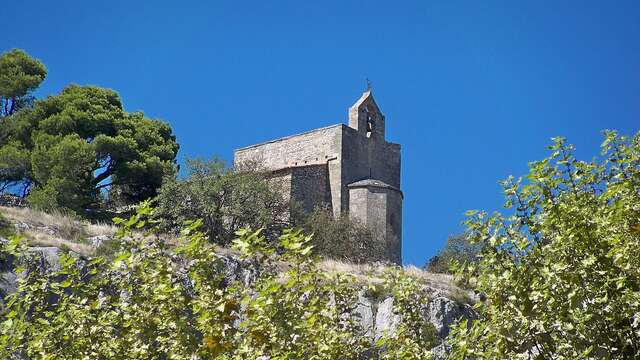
(473,90)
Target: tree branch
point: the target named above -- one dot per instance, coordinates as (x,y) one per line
(13,105)
(27,189)
(6,184)
(105,185)
(111,184)
(108,172)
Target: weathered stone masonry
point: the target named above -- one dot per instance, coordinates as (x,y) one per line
(351,169)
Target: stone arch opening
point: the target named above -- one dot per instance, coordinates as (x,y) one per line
(370,125)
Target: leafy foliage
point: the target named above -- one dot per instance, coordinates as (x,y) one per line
(343,238)
(457,248)
(301,314)
(6,227)
(151,302)
(561,273)
(226,200)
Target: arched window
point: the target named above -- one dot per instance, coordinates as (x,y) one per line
(370,123)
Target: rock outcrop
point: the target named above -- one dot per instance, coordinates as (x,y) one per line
(377,316)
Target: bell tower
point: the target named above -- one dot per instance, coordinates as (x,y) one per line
(366,117)
(371,176)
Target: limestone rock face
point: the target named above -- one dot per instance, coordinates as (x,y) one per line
(377,316)
(237,269)
(444,312)
(98,240)
(8,282)
(46,259)
(364,311)
(440,352)
(386,320)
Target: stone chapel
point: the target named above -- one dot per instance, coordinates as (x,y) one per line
(351,169)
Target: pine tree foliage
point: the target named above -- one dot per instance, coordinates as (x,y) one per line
(20,74)
(66,150)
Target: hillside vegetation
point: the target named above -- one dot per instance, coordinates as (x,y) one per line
(87,238)
(159,301)
(557,278)
(560,271)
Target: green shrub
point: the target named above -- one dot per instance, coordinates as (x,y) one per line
(343,238)
(457,248)
(108,248)
(6,227)
(225,200)
(561,271)
(44,198)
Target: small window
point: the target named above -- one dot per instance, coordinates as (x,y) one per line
(369,126)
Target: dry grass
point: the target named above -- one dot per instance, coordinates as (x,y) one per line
(63,223)
(63,230)
(96,229)
(42,239)
(373,274)
(34,217)
(56,228)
